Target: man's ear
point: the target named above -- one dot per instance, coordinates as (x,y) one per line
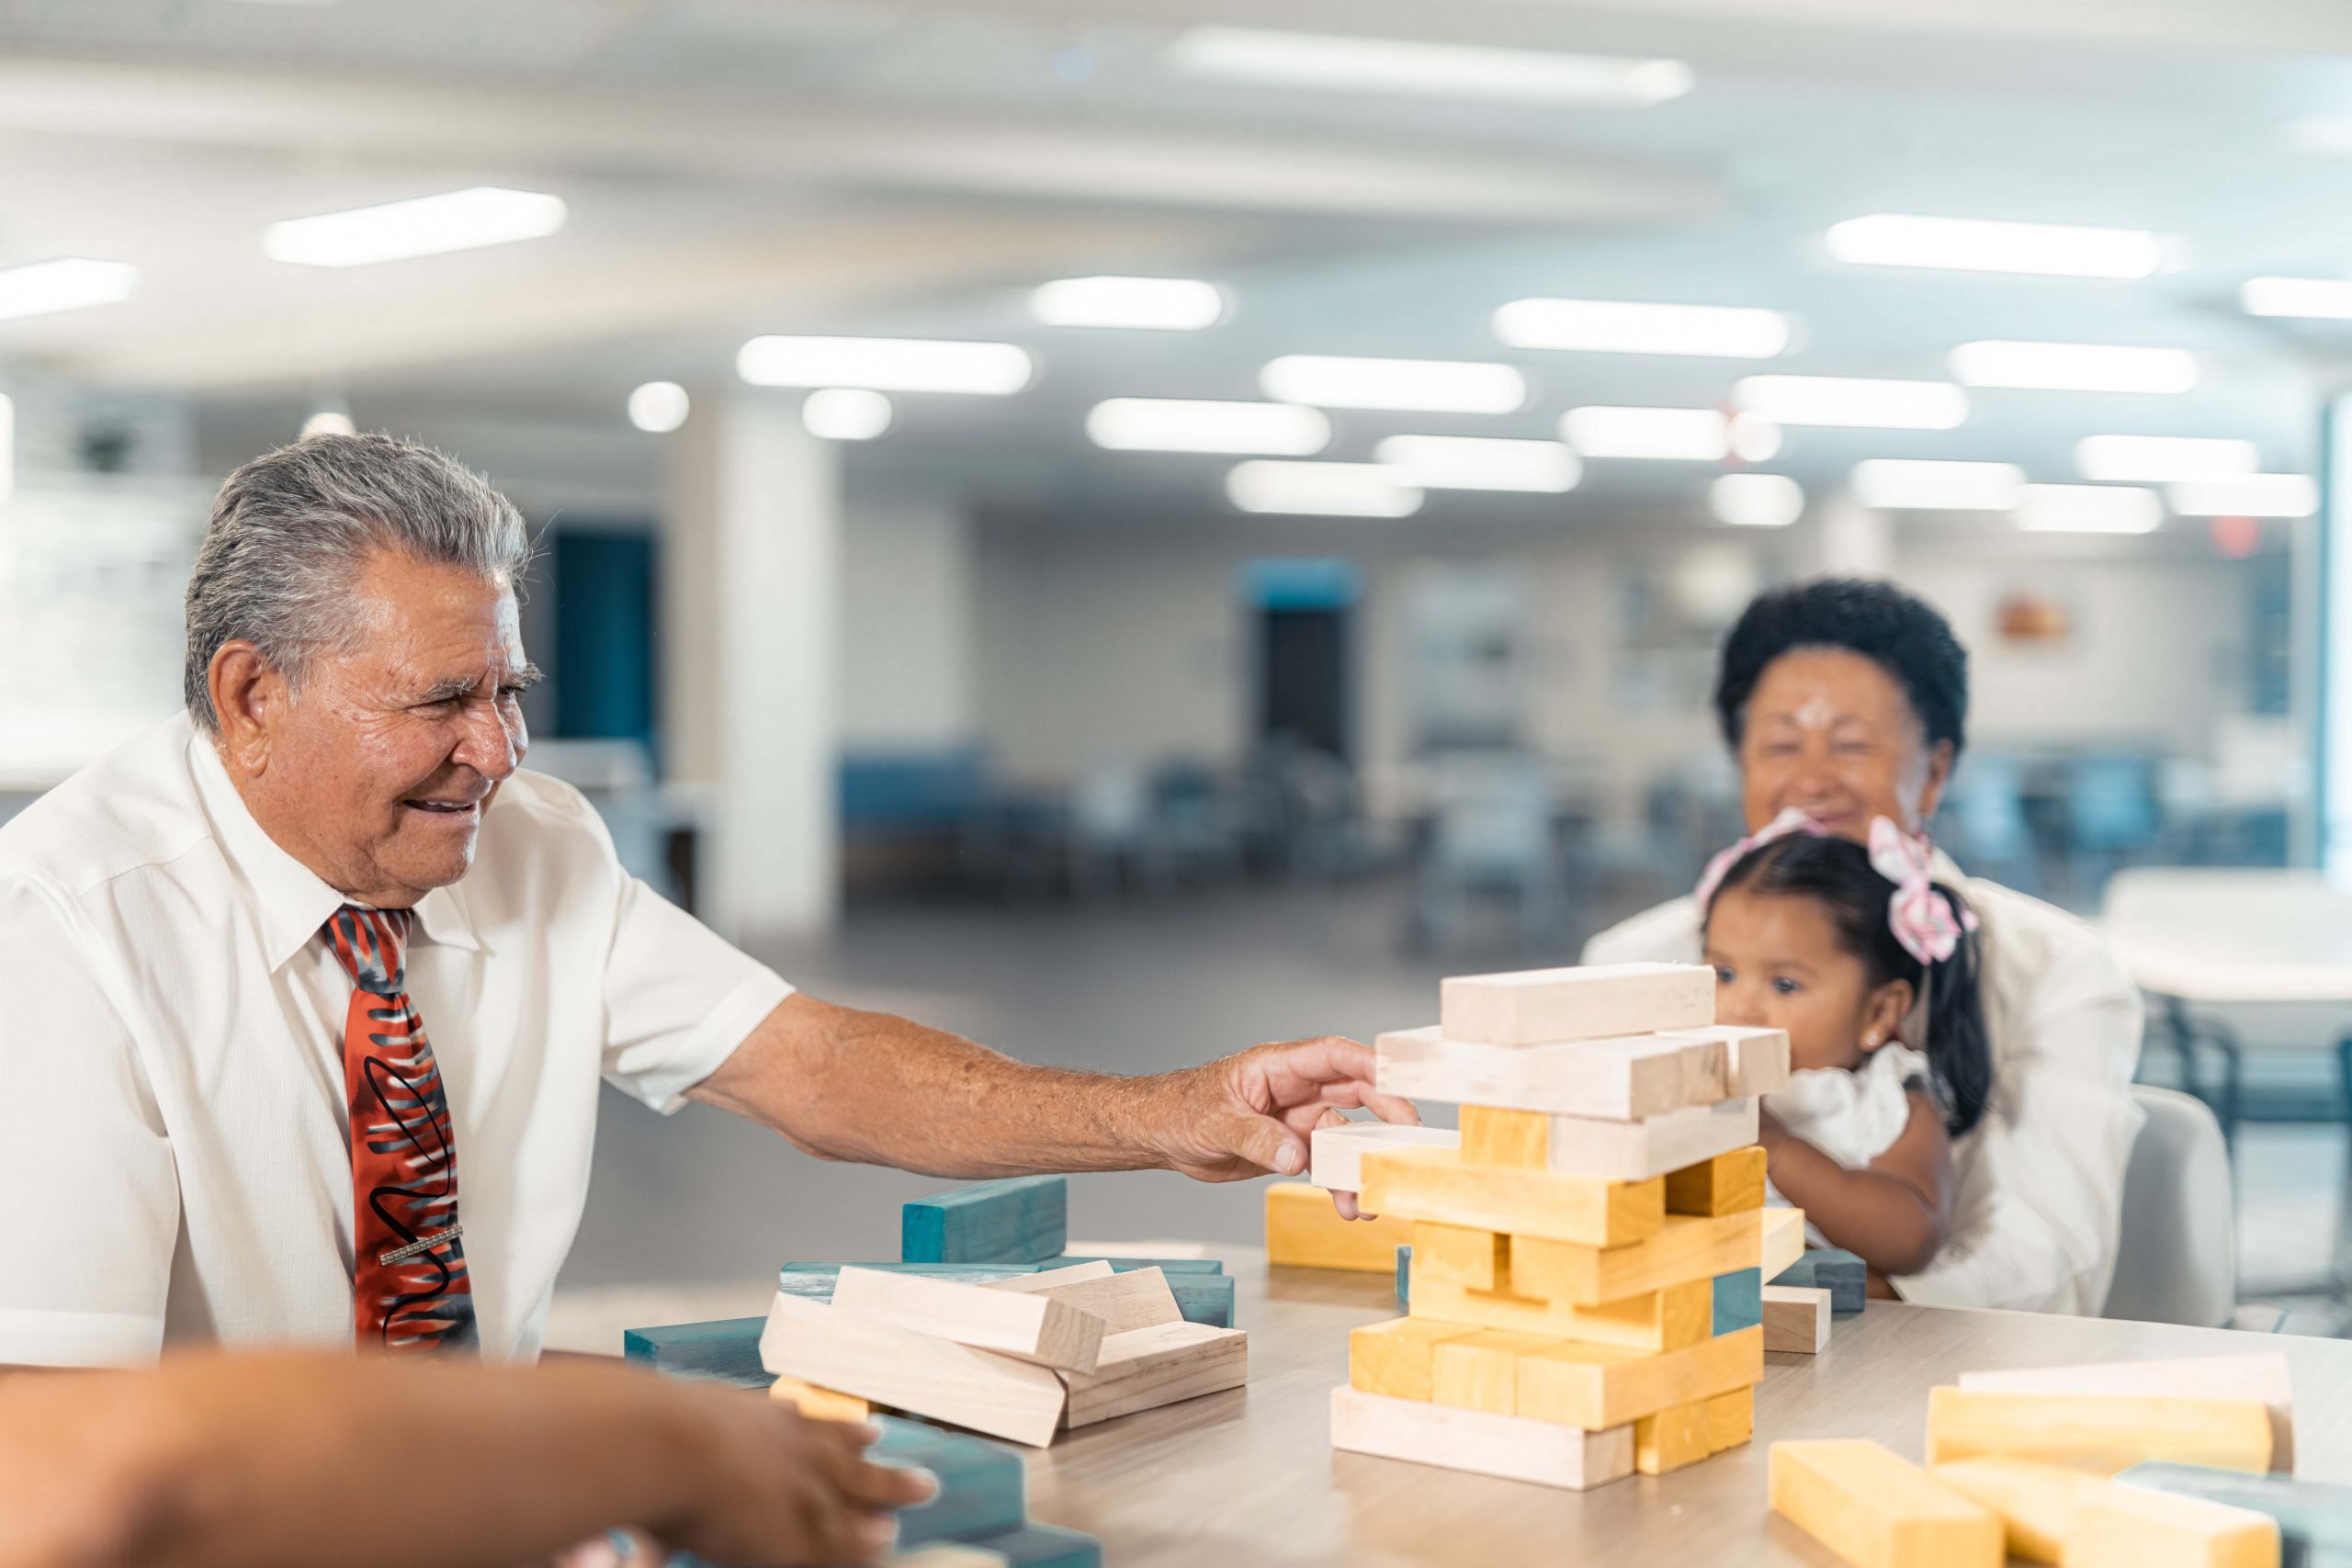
(250,697)
(1883,1013)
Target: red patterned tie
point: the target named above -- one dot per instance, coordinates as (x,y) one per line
(410,1290)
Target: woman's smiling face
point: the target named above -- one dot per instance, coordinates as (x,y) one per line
(1829,732)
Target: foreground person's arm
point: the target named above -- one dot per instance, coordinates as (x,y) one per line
(298,1459)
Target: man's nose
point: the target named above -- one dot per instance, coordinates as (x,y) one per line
(490,747)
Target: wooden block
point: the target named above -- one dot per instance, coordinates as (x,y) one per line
(1022,1219)
(2313,1519)
(1783,1242)
(1121,1302)
(1458,1254)
(908,1370)
(1876,1511)
(1622,1080)
(1405,1278)
(726,1347)
(1303,1231)
(1336,1154)
(1519,1140)
(1538,1007)
(2103,1433)
(819,1403)
(1027,1325)
(1842,1274)
(2035,1501)
(945,1554)
(1597,1386)
(1454,1438)
(1667,1319)
(983,1488)
(1151,1367)
(1635,1150)
(1398,1357)
(1730,1183)
(1687,1248)
(1204,1299)
(1152,1251)
(1480,1371)
(1731,1419)
(1122,1263)
(2125,1527)
(1048,1278)
(1796,1319)
(2263,1376)
(1434,1184)
(1043,1546)
(1738,1300)
(1670,1439)
(1756,1059)
(968,1273)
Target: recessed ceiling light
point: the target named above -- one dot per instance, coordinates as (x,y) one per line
(885,364)
(1161,304)
(1969,244)
(1330,489)
(429,225)
(1853,401)
(2317,298)
(2089,509)
(1480,462)
(1756,501)
(658,406)
(1604,326)
(1432,69)
(2155,460)
(845,413)
(72,283)
(1419,386)
(1908,484)
(1685,435)
(2073,367)
(1193,425)
(2244,495)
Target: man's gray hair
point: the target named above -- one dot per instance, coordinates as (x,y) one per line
(292,530)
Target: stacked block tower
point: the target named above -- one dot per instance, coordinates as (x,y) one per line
(1586,1281)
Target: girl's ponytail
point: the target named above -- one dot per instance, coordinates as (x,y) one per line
(1959,1049)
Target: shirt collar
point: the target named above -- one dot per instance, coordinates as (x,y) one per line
(290,903)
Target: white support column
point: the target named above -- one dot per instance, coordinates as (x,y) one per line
(751,596)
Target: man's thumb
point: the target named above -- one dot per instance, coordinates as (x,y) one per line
(1264,1141)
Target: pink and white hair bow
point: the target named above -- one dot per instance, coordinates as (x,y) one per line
(1926,923)
(1787,824)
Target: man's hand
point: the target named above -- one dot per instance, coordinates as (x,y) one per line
(1244,1115)
(785,1489)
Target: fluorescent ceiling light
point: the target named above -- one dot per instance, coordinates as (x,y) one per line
(2244,495)
(2158,458)
(7,448)
(1602,326)
(1420,386)
(1330,489)
(1754,439)
(658,406)
(2319,299)
(845,413)
(1163,304)
(1969,244)
(1431,70)
(885,364)
(1852,401)
(2089,509)
(1480,462)
(428,226)
(2073,367)
(1906,484)
(1756,501)
(1689,435)
(71,284)
(1189,424)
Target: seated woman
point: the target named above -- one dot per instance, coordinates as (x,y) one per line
(1848,702)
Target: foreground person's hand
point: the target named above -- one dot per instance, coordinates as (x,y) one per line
(781,1489)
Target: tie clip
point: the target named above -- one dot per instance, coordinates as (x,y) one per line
(421,1244)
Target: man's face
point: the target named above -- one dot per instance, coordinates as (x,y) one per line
(1830,732)
(378,773)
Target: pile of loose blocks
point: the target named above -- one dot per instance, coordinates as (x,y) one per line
(2147,1465)
(1585,1290)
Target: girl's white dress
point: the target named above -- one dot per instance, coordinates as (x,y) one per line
(1853,1115)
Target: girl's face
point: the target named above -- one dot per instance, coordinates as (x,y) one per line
(1779,964)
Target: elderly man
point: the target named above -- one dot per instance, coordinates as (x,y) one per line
(304,994)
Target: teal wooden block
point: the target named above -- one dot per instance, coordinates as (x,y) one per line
(1405,1278)
(1043,1546)
(726,1348)
(1024,1219)
(962,1273)
(1203,1298)
(1169,1266)
(1739,1299)
(983,1489)
(1842,1274)
(2315,1520)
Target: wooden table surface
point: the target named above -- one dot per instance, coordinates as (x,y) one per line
(1249,1477)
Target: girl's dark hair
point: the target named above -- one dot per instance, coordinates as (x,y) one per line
(1837,873)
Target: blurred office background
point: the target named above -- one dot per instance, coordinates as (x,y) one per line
(1130,660)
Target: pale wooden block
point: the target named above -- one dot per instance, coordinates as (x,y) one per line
(1540,1007)
(1730,1183)
(2125,1527)
(1667,1319)
(1335,1155)
(1148,1368)
(1169,1249)
(1516,1140)
(2037,1502)
(1783,1242)
(2263,1376)
(2103,1433)
(1480,1371)
(1027,1326)
(1876,1511)
(1635,1150)
(1398,1357)
(1461,1255)
(1077,1273)
(1731,1419)
(819,1403)
(1621,1079)
(1687,1248)
(1138,1299)
(911,1372)
(1796,1319)
(1434,1184)
(1756,1060)
(947,1555)
(1670,1439)
(1304,1231)
(1504,1445)
(1596,1386)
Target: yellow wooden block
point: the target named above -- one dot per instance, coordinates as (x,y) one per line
(1728,1184)
(1436,1184)
(2103,1433)
(1731,1419)
(1457,1255)
(1599,1386)
(1480,1371)
(1520,1140)
(2125,1527)
(819,1403)
(1394,1358)
(1688,1248)
(1304,1231)
(2035,1501)
(1660,1320)
(1673,1438)
(1783,1242)
(1876,1511)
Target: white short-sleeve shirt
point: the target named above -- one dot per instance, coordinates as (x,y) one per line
(173,1145)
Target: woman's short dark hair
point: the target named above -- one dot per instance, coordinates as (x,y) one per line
(1901,634)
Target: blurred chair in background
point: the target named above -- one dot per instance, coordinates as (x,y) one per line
(2177,1259)
(1489,831)
(2110,817)
(1983,822)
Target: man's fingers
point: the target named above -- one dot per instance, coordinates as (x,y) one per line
(1264,1143)
(1346,1203)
